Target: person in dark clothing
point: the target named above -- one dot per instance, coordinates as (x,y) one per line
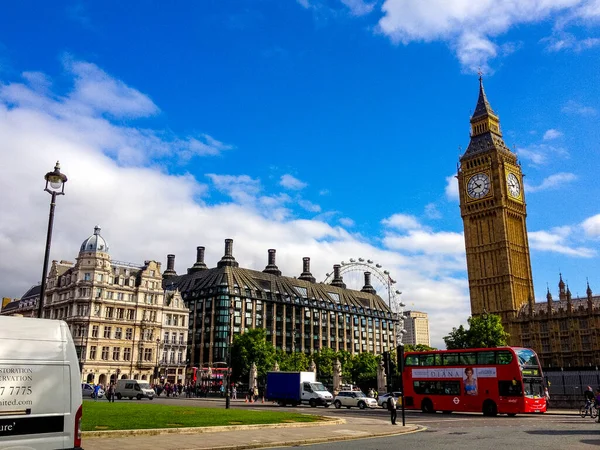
(391,405)
(589,399)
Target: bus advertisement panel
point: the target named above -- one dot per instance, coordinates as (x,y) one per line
(506,380)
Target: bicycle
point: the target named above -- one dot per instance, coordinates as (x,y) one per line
(591,407)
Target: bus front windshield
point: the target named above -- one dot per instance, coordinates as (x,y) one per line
(527,357)
(533,387)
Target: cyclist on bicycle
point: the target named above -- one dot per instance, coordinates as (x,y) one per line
(589,399)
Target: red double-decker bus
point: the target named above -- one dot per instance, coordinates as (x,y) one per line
(504,380)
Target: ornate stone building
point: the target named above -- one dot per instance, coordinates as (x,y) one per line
(119,315)
(564,333)
(299,314)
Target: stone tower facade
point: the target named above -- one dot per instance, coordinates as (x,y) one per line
(492,204)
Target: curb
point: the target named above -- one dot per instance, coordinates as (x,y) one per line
(292,443)
(214,429)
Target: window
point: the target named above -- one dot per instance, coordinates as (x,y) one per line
(131,314)
(107,331)
(147,354)
(468,359)
(450,359)
(181,338)
(87,276)
(93,352)
(411,360)
(129,334)
(486,358)
(168,319)
(119,333)
(504,357)
(127,354)
(109,312)
(116,353)
(437,387)
(180,357)
(120,313)
(166,336)
(510,388)
(94,331)
(105,353)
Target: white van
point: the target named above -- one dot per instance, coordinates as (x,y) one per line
(40,391)
(134,389)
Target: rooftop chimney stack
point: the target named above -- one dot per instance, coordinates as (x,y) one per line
(199,264)
(170,272)
(337,277)
(306,275)
(272,266)
(368,287)
(228,259)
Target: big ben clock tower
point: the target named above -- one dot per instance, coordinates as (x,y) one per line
(492,205)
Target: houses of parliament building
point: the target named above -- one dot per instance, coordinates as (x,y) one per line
(564,332)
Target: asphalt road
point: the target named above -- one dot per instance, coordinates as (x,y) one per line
(454,431)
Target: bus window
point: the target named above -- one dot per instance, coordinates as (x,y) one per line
(427,360)
(437,387)
(486,358)
(450,359)
(510,388)
(503,357)
(438,359)
(411,360)
(468,359)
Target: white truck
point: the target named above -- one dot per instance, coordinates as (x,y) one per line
(40,391)
(293,388)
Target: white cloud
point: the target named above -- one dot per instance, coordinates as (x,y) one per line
(557,240)
(554,181)
(432,211)
(552,134)
(402,222)
(346,222)
(146,211)
(309,206)
(420,241)
(470,28)
(591,226)
(452,188)
(359,7)
(293,183)
(560,41)
(573,107)
(541,154)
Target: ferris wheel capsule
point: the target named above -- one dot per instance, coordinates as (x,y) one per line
(361,259)
(370,261)
(378,266)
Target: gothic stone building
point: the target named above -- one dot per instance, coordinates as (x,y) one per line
(123,323)
(493,208)
(298,314)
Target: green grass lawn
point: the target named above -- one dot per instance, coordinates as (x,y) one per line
(100,416)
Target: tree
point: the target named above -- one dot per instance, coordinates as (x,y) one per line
(418,348)
(364,367)
(484,331)
(292,362)
(251,347)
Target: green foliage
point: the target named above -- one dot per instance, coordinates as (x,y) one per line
(324,360)
(293,362)
(364,367)
(418,348)
(251,347)
(484,332)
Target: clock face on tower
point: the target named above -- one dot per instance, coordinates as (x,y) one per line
(478,185)
(514,187)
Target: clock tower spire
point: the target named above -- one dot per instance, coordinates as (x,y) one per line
(493,209)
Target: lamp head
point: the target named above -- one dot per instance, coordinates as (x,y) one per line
(55,181)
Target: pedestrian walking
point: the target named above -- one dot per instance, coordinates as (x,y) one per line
(391,404)
(234,393)
(110,396)
(96,392)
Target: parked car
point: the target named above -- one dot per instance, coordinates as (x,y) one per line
(354,398)
(134,389)
(87,391)
(382,399)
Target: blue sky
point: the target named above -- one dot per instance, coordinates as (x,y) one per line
(322,128)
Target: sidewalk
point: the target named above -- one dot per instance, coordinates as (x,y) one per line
(256,437)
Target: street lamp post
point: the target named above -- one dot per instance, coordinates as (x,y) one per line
(294,348)
(157,370)
(230,340)
(55,185)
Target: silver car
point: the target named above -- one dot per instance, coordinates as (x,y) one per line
(354,398)
(87,391)
(382,399)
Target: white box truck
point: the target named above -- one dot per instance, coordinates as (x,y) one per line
(40,388)
(293,388)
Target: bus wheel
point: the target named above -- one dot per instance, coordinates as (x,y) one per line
(427,406)
(511,414)
(489,408)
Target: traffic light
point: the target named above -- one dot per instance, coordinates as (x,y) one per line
(400,355)
(386,362)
